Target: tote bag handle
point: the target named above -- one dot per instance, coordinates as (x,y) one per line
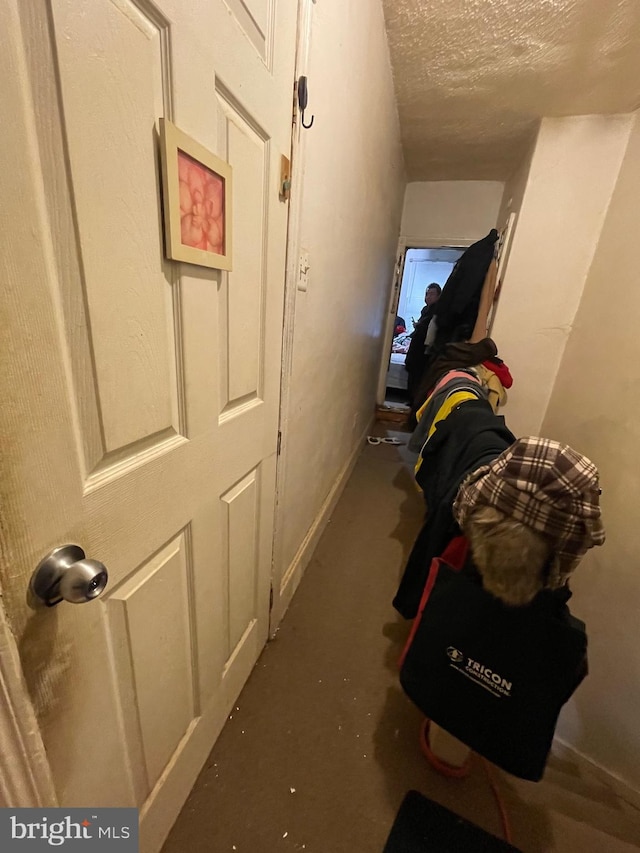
(454,555)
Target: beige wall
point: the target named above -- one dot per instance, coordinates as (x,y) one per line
(573,171)
(352,199)
(514,188)
(450,212)
(595,407)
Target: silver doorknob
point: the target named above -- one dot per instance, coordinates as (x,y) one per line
(66,575)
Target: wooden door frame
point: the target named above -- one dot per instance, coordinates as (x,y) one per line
(285,578)
(392,310)
(280,576)
(506,232)
(26,779)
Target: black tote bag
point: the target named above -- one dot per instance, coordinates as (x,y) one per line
(493,676)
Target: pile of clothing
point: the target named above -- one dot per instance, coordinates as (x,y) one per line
(486,381)
(492,666)
(469,436)
(468,457)
(507,521)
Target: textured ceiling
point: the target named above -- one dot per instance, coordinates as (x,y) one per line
(473,77)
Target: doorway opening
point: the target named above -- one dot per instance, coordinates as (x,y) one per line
(421,268)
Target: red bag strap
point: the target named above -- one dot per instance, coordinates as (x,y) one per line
(454,555)
(431,579)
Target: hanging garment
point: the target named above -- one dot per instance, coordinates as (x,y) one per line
(454,399)
(493,676)
(454,356)
(453,380)
(432,335)
(471,436)
(457,308)
(416,358)
(445,402)
(500,369)
(469,373)
(496,394)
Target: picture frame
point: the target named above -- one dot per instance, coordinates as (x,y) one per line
(196,201)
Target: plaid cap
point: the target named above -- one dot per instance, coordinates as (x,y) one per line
(546,486)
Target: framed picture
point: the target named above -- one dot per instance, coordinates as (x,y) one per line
(196,189)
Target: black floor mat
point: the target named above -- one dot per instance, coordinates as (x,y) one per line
(422,826)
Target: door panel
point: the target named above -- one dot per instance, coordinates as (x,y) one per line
(241,325)
(255,17)
(150,616)
(240,528)
(117,89)
(140,395)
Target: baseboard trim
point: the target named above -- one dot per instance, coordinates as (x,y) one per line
(295,571)
(621,788)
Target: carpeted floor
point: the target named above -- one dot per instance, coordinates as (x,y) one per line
(323,744)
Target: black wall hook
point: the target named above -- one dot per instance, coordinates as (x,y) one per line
(303,98)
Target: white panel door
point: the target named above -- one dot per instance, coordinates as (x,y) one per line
(139,396)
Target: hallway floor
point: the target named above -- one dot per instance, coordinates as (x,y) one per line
(323,743)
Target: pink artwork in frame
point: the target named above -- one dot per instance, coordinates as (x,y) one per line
(202,224)
(196,200)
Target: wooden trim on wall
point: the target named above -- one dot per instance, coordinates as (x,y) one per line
(26,778)
(297,165)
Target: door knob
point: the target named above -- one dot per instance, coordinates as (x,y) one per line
(66,575)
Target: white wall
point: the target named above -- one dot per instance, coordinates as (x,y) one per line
(514,188)
(353,187)
(572,175)
(450,212)
(595,407)
(417,275)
